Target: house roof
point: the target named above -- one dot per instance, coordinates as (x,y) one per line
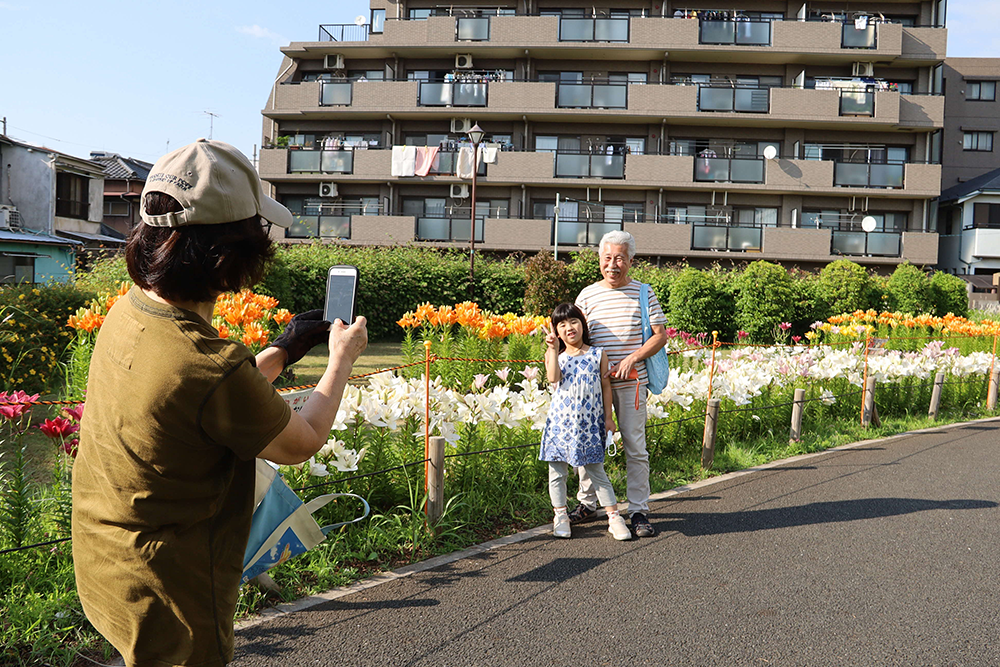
(116,166)
(36,237)
(62,160)
(988,182)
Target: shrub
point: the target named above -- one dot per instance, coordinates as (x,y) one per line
(501,286)
(659,279)
(949,295)
(547,284)
(584,269)
(34,335)
(842,287)
(697,303)
(104,275)
(764,299)
(909,290)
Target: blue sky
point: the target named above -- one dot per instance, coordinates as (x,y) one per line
(137,78)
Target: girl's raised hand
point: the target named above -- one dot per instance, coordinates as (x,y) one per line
(551,340)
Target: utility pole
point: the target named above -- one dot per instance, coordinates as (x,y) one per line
(5,126)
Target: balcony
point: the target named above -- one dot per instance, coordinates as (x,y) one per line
(321,161)
(742,32)
(853,37)
(320,226)
(472,28)
(726,237)
(594,30)
(581,232)
(857,103)
(448,229)
(868,175)
(712,169)
(592,96)
(586,165)
(717,97)
(453,94)
(336,93)
(866,244)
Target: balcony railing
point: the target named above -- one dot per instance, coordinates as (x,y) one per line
(725,237)
(442,228)
(582,232)
(868,175)
(855,38)
(339,161)
(593,30)
(446,163)
(878,244)
(739,32)
(336,93)
(472,28)
(728,170)
(717,97)
(319,226)
(857,103)
(343,32)
(587,165)
(592,96)
(453,94)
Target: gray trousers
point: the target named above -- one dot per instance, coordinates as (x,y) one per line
(559,471)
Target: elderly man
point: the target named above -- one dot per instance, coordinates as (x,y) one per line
(614,316)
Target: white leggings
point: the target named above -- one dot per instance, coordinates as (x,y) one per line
(595,471)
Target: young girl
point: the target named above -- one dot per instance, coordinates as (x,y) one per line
(579,417)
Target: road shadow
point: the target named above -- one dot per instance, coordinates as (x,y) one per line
(697,524)
(559,570)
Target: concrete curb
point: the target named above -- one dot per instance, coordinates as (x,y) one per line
(437,561)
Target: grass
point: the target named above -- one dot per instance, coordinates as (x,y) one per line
(378,355)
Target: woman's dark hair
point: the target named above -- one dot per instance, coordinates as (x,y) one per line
(196,262)
(569,311)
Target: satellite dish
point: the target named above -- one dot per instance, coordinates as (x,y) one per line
(360,20)
(868,223)
(770,152)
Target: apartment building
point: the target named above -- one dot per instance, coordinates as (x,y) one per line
(793,132)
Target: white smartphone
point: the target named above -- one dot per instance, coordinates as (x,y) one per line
(341,294)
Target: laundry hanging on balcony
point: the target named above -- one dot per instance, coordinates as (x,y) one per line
(426,159)
(463,165)
(490,153)
(404,160)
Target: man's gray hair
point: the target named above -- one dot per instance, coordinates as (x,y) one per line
(618,237)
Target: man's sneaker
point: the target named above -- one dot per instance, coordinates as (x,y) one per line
(642,526)
(582,513)
(560,526)
(618,529)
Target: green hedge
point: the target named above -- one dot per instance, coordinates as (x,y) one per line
(755,297)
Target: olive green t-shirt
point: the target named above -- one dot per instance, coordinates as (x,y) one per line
(163,483)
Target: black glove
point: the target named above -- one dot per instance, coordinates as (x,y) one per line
(302,333)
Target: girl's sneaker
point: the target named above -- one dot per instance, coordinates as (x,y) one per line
(560,526)
(618,529)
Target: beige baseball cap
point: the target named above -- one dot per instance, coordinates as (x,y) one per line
(214,183)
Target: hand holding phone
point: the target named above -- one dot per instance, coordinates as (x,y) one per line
(341,294)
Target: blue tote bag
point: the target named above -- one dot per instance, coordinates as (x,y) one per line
(658,365)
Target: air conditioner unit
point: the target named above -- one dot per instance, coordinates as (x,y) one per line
(461,125)
(333,61)
(459,190)
(463,61)
(10,219)
(328,189)
(863,69)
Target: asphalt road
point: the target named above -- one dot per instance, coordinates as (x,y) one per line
(880,554)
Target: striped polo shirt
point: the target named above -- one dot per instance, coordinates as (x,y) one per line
(615,320)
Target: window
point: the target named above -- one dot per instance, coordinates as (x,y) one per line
(72,195)
(15,268)
(378,21)
(977,141)
(116,207)
(986,215)
(981,90)
(755,217)
(365,75)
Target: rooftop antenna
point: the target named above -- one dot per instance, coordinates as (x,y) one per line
(211,122)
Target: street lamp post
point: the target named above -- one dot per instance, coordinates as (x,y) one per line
(476,135)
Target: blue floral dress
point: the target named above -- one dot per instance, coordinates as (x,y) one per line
(574,429)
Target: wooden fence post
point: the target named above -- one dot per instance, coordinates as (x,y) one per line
(868,405)
(991,395)
(936,396)
(435,480)
(708,440)
(795,435)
